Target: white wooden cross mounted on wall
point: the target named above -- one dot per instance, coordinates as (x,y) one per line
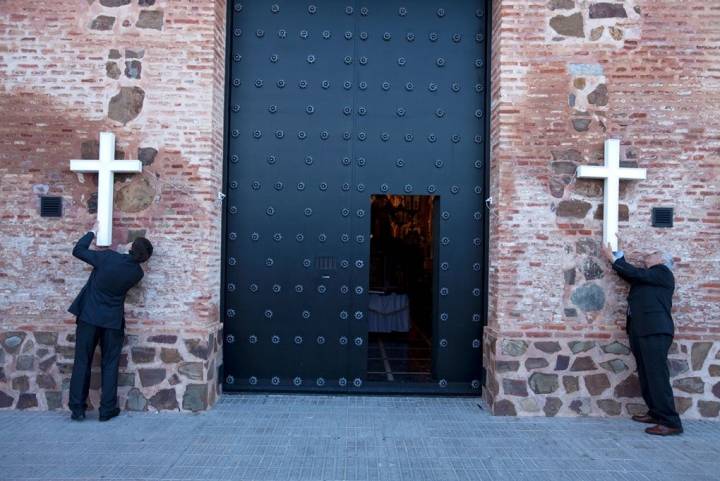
(612,173)
(105,166)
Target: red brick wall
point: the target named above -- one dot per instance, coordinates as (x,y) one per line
(655,66)
(62,63)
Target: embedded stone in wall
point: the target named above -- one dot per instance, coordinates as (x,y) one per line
(596,384)
(581,124)
(596,33)
(615,348)
(152,19)
(170,356)
(716,390)
(581,406)
(536,363)
(682,404)
(588,246)
(552,405)
(677,366)
(135,401)
(607,10)
(114,54)
(133,69)
(583,363)
(568,26)
(46,338)
(569,276)
(506,366)
(561,4)
(562,362)
(112,70)
(27,401)
(45,381)
(548,347)
(573,208)
(6,401)
(48,363)
(629,387)
(195,397)
(699,353)
(588,297)
(513,347)
(571,384)
(25,363)
(21,383)
(114,3)
(599,96)
(165,399)
(504,408)
(610,407)
(635,408)
(142,354)
(542,383)
(515,387)
(191,370)
(135,196)
(623,212)
(591,270)
(147,155)
(54,400)
(11,341)
(714,371)
(102,22)
(588,187)
(126,105)
(708,409)
(134,52)
(692,384)
(614,365)
(152,376)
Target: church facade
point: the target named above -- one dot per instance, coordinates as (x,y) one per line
(266,132)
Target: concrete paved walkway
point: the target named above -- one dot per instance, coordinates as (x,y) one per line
(293,437)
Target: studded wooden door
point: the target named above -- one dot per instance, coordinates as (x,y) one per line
(330,102)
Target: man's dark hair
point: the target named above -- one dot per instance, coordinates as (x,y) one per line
(141,249)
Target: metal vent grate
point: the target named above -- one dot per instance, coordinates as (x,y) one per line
(50,206)
(662,217)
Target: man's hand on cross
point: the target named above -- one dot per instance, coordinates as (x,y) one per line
(607,251)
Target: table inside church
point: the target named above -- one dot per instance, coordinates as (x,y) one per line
(388,312)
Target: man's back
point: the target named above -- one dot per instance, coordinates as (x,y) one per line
(101,301)
(649,299)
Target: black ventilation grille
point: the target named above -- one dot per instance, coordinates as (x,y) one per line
(50,206)
(662,217)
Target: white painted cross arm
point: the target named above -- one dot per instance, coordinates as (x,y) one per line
(105,167)
(611,173)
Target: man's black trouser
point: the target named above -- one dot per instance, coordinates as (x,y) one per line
(651,358)
(87,337)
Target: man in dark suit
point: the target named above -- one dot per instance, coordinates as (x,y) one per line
(650,329)
(101,319)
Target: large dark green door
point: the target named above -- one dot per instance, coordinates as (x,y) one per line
(329,103)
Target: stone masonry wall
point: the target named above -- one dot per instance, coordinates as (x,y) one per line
(567,74)
(152,72)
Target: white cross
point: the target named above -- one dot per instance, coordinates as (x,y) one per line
(612,173)
(106,167)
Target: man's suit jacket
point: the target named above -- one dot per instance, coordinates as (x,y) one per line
(102,301)
(650,298)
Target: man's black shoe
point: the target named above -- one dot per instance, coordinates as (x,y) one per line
(77,416)
(110,415)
